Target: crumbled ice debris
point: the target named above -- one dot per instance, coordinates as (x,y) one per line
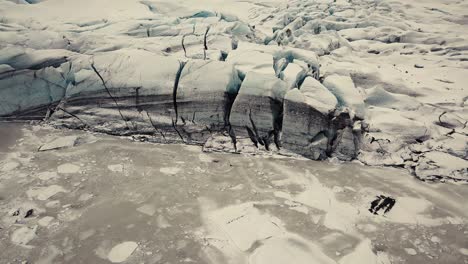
(205,158)
(9,166)
(122,251)
(162,222)
(85,197)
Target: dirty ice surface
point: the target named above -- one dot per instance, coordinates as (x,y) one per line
(113,200)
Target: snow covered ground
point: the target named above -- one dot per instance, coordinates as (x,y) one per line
(69,196)
(240,76)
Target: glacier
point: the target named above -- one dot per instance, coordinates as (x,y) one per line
(346,80)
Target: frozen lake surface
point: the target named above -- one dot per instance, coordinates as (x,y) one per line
(104,199)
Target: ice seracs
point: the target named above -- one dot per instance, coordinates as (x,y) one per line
(257,111)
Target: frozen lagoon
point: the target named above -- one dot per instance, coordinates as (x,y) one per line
(113,199)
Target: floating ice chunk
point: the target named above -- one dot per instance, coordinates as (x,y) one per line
(289,250)
(24,235)
(45,221)
(162,222)
(85,197)
(68,168)
(170,170)
(87,234)
(47,175)
(147,209)
(9,166)
(62,142)
(245,225)
(53,204)
(363,254)
(116,168)
(411,251)
(44,193)
(122,251)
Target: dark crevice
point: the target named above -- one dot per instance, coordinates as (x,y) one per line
(227,115)
(183,45)
(155,127)
(110,95)
(137,99)
(277,110)
(174,90)
(177,131)
(232,135)
(193,117)
(205,44)
(252,136)
(255,131)
(230,98)
(174,97)
(224,55)
(72,115)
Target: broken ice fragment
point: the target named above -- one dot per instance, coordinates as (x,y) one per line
(116,168)
(9,166)
(47,175)
(24,235)
(410,251)
(62,142)
(170,170)
(44,193)
(147,209)
(122,251)
(68,168)
(45,221)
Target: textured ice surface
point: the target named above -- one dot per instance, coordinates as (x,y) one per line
(173,203)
